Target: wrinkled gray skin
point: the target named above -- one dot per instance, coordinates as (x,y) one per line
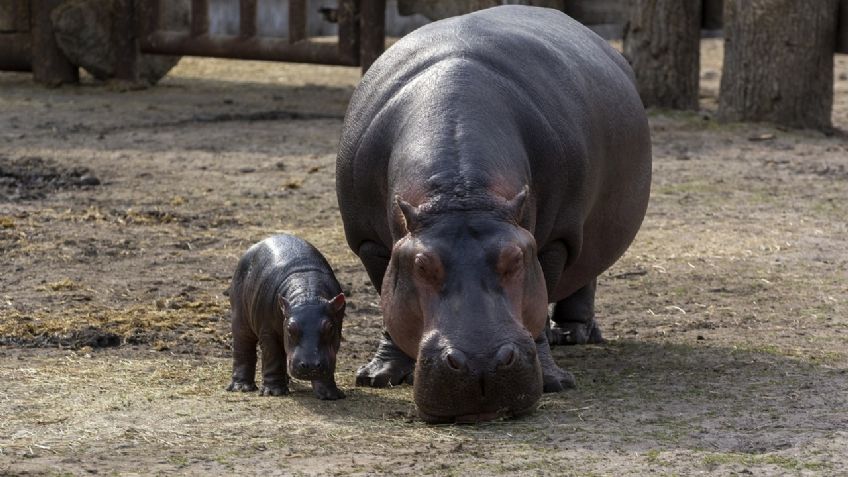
(285,297)
(490,164)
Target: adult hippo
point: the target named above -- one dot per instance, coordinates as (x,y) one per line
(490,164)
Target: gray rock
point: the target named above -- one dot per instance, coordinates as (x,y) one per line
(83,30)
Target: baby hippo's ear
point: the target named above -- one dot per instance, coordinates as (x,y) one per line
(284,306)
(337,305)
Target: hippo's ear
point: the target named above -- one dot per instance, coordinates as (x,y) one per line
(337,305)
(284,306)
(516,204)
(410,214)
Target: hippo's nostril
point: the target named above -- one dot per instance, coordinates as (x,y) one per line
(456,359)
(506,356)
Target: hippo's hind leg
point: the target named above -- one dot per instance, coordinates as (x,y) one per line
(275,379)
(554,379)
(244,357)
(574,318)
(389,366)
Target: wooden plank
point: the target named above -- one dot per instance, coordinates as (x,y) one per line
(842,28)
(49,65)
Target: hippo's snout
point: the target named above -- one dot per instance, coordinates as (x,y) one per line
(309,368)
(455,385)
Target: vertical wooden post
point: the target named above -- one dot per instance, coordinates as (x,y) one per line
(199,17)
(348,17)
(126,42)
(49,64)
(372,31)
(247,18)
(842,28)
(297,20)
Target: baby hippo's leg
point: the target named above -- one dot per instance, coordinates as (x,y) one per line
(275,380)
(326,389)
(244,357)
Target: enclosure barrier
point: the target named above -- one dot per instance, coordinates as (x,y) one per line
(361,36)
(27,39)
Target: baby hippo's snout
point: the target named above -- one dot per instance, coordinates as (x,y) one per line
(310,367)
(456,385)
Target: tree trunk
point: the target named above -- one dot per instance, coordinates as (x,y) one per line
(662,42)
(778,62)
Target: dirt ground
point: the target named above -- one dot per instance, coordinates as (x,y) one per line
(123,213)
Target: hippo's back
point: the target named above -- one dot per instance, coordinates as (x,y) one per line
(565,98)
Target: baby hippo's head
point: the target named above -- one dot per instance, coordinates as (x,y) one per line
(312,331)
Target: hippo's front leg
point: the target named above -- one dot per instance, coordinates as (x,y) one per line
(554,378)
(575,319)
(275,379)
(327,390)
(389,366)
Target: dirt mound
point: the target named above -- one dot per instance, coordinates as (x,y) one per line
(32,178)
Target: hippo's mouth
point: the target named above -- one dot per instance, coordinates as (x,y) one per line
(477,417)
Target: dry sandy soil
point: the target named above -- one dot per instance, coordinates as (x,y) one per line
(122,215)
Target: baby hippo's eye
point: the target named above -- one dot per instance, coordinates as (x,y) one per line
(293,330)
(327,329)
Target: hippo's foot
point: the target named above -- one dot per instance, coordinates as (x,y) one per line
(242,386)
(389,366)
(327,390)
(554,378)
(274,389)
(576,333)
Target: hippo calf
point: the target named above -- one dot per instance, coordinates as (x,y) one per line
(285,297)
(490,164)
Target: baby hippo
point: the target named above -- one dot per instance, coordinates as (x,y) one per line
(285,297)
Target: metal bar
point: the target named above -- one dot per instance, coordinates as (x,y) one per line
(15,51)
(125,41)
(199,17)
(372,31)
(49,65)
(348,17)
(255,48)
(297,20)
(247,18)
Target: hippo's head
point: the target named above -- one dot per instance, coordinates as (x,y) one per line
(465,294)
(312,332)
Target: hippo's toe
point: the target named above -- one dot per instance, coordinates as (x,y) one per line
(242,386)
(327,391)
(575,333)
(389,366)
(274,390)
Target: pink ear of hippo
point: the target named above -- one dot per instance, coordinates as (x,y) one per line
(337,304)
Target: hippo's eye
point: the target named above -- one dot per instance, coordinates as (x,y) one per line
(293,330)
(428,267)
(327,329)
(511,261)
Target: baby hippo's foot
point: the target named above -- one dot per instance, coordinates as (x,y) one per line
(274,389)
(327,390)
(575,333)
(243,386)
(389,367)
